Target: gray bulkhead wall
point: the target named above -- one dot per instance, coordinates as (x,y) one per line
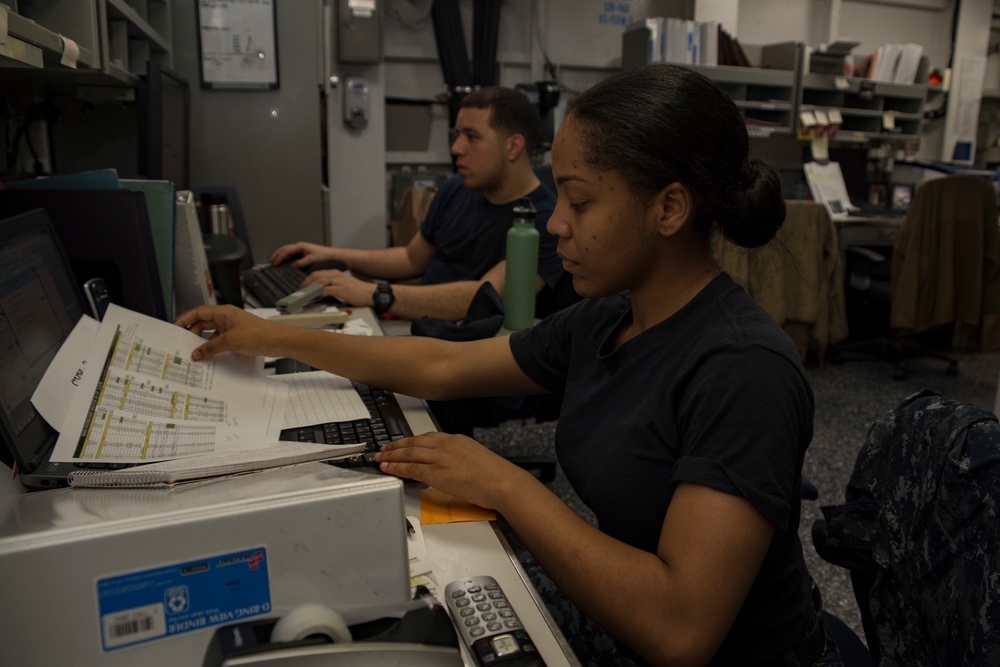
(275,162)
(583,38)
(266,143)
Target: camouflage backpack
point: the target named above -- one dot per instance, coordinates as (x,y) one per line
(920,532)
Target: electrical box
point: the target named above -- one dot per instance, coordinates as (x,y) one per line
(359,31)
(357,101)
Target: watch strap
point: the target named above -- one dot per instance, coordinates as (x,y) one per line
(383,298)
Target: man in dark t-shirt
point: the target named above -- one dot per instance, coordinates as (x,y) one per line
(461,243)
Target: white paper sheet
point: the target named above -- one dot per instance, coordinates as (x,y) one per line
(65,373)
(318,397)
(151,402)
(826,182)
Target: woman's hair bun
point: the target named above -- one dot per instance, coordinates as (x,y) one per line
(758,208)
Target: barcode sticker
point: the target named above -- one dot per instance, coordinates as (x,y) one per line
(183,597)
(133,625)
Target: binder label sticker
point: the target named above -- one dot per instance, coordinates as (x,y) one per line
(173,599)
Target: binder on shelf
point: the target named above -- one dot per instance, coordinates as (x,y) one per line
(730,51)
(693,34)
(675,40)
(896,63)
(161,206)
(192,274)
(655,25)
(708,54)
(909,64)
(98,178)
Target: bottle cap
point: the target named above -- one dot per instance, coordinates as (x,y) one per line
(524,210)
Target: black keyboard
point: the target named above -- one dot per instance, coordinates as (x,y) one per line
(387,423)
(269,283)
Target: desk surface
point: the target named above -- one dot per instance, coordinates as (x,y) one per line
(860,230)
(456,550)
(472,548)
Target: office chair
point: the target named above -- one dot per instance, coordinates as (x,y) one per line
(946,260)
(795,277)
(919,534)
(868,297)
(943,273)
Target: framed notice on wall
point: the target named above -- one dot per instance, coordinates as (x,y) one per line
(237,44)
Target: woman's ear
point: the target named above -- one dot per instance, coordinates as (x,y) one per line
(673,206)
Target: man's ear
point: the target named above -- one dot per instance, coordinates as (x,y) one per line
(673,207)
(513,147)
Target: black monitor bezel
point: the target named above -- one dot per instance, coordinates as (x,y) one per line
(31,445)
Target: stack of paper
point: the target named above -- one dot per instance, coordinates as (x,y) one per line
(896,63)
(138,397)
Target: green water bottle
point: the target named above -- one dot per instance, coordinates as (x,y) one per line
(522,267)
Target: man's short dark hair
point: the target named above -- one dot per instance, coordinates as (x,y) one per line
(511,112)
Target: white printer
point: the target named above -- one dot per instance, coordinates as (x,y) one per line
(146,576)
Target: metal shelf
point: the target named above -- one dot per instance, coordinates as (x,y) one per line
(115,39)
(46,43)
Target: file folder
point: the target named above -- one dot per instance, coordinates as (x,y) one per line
(161,207)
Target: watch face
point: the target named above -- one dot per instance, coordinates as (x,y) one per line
(383,298)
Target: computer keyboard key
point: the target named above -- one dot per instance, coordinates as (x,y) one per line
(386,423)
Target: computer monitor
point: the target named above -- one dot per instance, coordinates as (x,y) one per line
(163,125)
(39,305)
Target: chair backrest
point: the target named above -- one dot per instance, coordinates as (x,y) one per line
(795,278)
(920,527)
(946,259)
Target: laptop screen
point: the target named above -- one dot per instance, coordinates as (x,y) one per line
(39,305)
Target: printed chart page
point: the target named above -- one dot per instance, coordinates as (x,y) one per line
(151,402)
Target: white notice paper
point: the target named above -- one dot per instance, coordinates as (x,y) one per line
(144,399)
(826,182)
(237,41)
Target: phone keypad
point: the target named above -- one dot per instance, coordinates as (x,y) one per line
(489,627)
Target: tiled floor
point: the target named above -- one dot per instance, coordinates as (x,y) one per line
(849,397)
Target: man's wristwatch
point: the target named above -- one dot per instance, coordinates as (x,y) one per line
(383,298)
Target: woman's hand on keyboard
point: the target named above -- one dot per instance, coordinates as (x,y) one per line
(235,331)
(455,464)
